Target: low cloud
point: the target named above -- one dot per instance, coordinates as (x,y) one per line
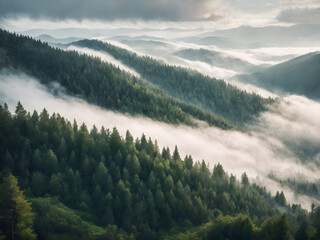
(103,57)
(168,10)
(264,149)
(300,15)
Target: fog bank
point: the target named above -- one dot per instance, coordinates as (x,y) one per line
(104,57)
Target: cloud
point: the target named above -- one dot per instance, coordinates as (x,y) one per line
(300,15)
(171,10)
(103,57)
(260,151)
(251,6)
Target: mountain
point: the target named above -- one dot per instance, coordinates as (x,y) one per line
(98,185)
(297,35)
(89,32)
(50,39)
(187,85)
(149,46)
(81,32)
(220,42)
(218,59)
(146,44)
(97,82)
(141,37)
(300,76)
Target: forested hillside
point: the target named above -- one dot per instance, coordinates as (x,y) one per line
(218,59)
(97,82)
(297,76)
(94,184)
(188,85)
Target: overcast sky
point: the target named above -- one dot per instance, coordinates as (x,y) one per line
(219,12)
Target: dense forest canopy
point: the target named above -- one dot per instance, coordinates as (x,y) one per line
(97,82)
(94,184)
(188,85)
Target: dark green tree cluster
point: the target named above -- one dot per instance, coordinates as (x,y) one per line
(119,181)
(97,82)
(188,85)
(239,228)
(303,187)
(242,228)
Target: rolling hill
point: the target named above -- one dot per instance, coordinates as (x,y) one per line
(300,76)
(188,85)
(97,82)
(297,35)
(218,59)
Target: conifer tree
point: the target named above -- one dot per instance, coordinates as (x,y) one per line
(15,211)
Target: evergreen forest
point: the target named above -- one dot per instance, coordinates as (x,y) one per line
(61,180)
(188,85)
(97,82)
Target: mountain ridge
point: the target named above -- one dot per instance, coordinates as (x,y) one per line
(300,75)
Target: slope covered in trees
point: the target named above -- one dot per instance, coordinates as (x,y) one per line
(188,85)
(242,228)
(298,76)
(97,82)
(97,183)
(218,59)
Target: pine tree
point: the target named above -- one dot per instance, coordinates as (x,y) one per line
(20,111)
(176,155)
(17,217)
(280,198)
(245,179)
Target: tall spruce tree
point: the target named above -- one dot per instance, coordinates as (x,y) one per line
(15,211)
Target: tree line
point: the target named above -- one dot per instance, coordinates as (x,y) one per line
(94,184)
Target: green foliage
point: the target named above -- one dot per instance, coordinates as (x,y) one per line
(70,224)
(280,199)
(233,228)
(98,82)
(299,187)
(187,85)
(15,211)
(276,229)
(113,233)
(120,181)
(238,228)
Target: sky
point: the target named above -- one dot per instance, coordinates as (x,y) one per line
(24,14)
